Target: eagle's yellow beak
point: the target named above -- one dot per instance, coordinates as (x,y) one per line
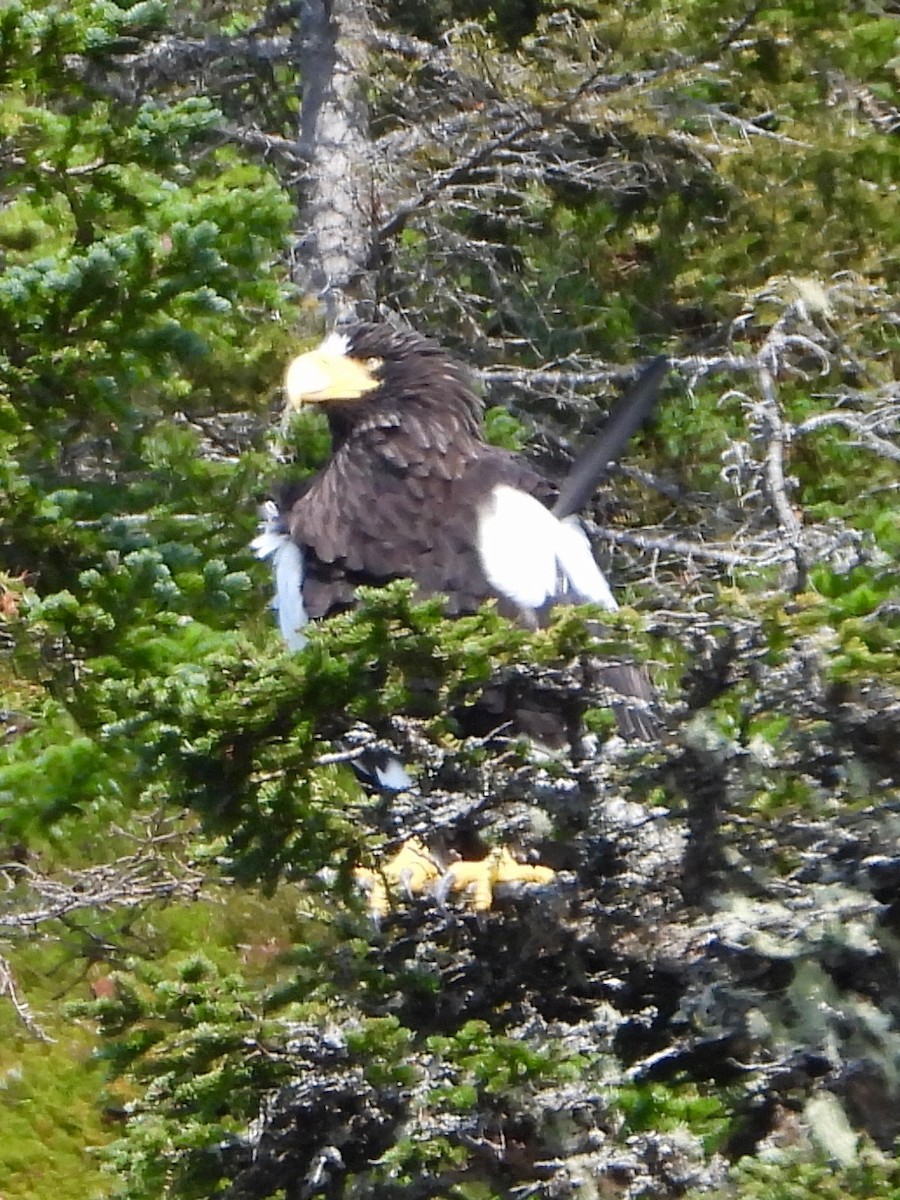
(322,375)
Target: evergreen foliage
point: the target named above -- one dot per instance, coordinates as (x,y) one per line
(703,1001)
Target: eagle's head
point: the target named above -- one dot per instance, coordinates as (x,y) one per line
(363,367)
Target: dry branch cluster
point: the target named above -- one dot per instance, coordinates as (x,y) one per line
(39,907)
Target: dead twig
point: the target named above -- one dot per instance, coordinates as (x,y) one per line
(23,1011)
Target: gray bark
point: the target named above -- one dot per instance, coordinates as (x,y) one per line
(336,203)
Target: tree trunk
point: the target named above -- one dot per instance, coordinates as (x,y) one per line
(336,202)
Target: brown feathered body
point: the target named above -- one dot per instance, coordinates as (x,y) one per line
(401,494)
(412,490)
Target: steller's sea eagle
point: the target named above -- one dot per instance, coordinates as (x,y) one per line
(413,490)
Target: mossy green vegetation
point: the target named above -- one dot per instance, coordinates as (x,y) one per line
(54,1126)
(785,1177)
(713,967)
(665,1108)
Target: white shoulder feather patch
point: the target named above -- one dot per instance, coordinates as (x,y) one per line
(335,343)
(531,557)
(287,570)
(393,776)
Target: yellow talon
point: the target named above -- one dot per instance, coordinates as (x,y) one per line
(511,871)
(412,867)
(415,869)
(484,876)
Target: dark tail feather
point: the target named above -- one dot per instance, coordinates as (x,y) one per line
(627,416)
(634,702)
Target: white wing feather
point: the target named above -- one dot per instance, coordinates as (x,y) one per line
(531,557)
(287,570)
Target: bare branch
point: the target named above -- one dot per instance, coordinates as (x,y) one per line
(442,180)
(132,880)
(730,40)
(688,550)
(292,151)
(172,57)
(9,989)
(553,378)
(749,128)
(860,427)
(775,436)
(692,366)
(463,170)
(404,44)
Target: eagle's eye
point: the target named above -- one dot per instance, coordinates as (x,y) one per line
(372,364)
